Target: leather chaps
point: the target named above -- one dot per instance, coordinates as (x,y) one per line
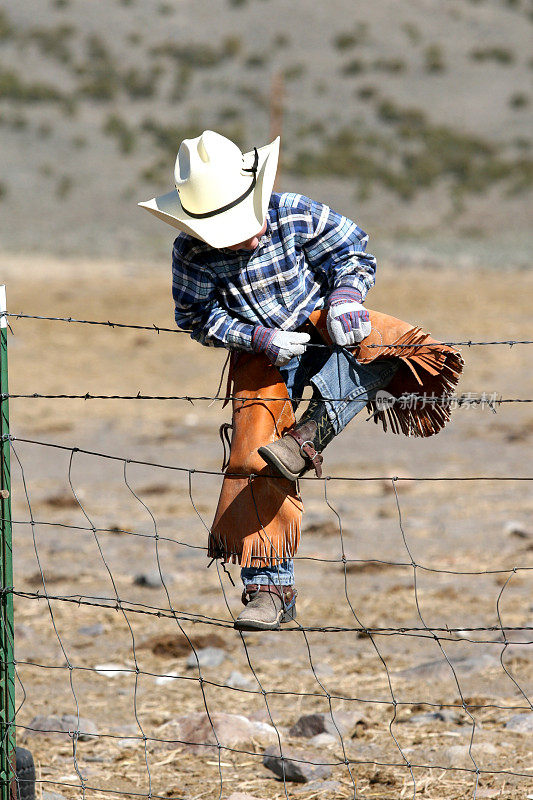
(258,518)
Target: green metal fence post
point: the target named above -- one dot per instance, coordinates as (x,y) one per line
(7,668)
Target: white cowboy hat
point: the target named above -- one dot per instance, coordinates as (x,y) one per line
(221,195)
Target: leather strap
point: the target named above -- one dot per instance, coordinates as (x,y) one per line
(287,594)
(307,449)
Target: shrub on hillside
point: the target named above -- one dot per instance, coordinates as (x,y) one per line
(182,79)
(64,187)
(140,85)
(281,40)
(169,137)
(199,56)
(293,72)
(391,65)
(256,61)
(345,41)
(232,46)
(6,29)
(116,127)
(434,59)
(519,100)
(415,155)
(12,87)
(354,67)
(101,79)
(412,32)
(53,42)
(501,55)
(366,92)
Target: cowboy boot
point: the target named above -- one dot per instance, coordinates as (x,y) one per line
(300,448)
(266,607)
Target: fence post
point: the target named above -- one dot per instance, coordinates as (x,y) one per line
(7,668)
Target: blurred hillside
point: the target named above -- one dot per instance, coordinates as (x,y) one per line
(414,117)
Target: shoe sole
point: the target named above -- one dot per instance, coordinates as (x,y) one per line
(252,625)
(278,465)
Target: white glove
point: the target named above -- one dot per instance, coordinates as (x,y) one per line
(279,346)
(348,323)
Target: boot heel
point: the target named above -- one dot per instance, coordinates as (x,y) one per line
(289,614)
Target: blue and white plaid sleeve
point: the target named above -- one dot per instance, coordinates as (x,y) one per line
(197,310)
(337,246)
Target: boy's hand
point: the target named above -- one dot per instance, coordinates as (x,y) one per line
(348,321)
(278,346)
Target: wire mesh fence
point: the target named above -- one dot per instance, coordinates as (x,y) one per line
(406,674)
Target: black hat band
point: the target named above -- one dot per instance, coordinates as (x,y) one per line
(206,214)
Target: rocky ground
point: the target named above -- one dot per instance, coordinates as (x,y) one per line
(424,689)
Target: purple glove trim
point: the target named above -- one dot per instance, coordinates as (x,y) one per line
(353,320)
(262,341)
(345,294)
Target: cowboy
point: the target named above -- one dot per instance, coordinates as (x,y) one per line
(249,267)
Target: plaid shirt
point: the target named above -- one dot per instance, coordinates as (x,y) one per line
(308,250)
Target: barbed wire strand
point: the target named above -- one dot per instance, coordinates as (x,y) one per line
(445,400)
(153,328)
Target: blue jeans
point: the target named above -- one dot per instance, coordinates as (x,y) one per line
(334,374)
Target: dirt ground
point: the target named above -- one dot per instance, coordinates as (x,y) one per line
(458,565)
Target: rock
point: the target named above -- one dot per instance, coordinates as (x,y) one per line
(170,677)
(111,670)
(323,740)
(131,729)
(521,723)
(231,729)
(64,724)
(207,657)
(443,715)
(296,765)
(151,579)
(348,722)
(314,724)
(239,681)
(243,796)
(441,668)
(91,630)
(52,796)
(517,529)
(176,645)
(260,715)
(23,632)
(458,755)
(319,786)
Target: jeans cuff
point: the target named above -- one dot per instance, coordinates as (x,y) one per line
(266,580)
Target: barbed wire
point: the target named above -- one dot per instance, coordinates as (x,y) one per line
(334,478)
(141,608)
(445,400)
(323,559)
(153,328)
